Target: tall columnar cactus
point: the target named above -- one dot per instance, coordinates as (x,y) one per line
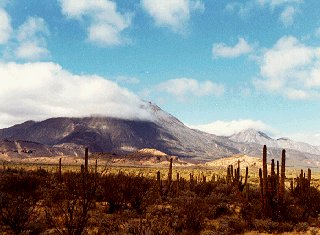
(283,175)
(229,178)
(272,168)
(60,173)
(273,179)
(277,180)
(204,179)
(213,178)
(302,183)
(309,177)
(261,184)
(231,170)
(265,178)
(272,186)
(191,181)
(96,167)
(170,172)
(86,156)
(236,179)
(246,178)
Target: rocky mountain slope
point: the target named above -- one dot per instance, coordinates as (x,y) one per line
(163,132)
(105,134)
(258,137)
(21,148)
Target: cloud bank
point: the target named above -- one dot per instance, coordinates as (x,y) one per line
(228,128)
(36,91)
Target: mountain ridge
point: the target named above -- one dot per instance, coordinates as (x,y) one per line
(164,132)
(256,136)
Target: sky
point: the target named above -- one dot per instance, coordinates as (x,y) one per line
(219,66)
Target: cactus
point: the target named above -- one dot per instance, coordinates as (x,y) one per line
(191,181)
(277,180)
(178,181)
(272,186)
(272,168)
(261,183)
(302,183)
(60,174)
(283,175)
(96,167)
(204,179)
(159,182)
(213,178)
(86,160)
(264,179)
(170,172)
(236,180)
(229,177)
(309,177)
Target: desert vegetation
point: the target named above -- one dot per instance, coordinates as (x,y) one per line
(89,201)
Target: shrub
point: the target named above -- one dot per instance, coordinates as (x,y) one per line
(68,204)
(18,199)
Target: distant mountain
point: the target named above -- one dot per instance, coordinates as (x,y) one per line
(20,148)
(258,137)
(252,136)
(164,132)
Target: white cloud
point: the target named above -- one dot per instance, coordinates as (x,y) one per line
(228,128)
(222,50)
(307,137)
(183,88)
(31,39)
(291,69)
(32,29)
(105,23)
(174,14)
(287,16)
(31,50)
(289,8)
(41,90)
(5,26)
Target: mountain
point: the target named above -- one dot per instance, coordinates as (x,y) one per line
(104,134)
(21,148)
(258,137)
(163,132)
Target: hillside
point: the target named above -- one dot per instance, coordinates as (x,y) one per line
(64,136)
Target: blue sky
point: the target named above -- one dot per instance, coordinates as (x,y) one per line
(220,66)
